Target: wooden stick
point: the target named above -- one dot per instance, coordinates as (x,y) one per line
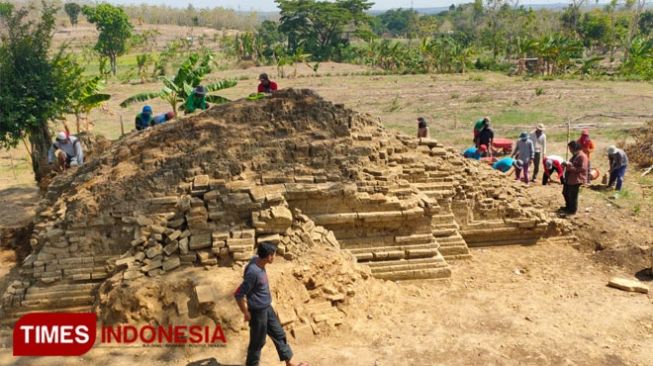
(568,137)
(647,170)
(29,152)
(122,127)
(11,161)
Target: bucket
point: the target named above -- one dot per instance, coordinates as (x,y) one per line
(594,174)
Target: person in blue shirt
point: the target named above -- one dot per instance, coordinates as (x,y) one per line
(144,119)
(505,164)
(161,118)
(255,302)
(474,153)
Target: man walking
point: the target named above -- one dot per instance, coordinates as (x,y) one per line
(258,309)
(539,143)
(618,164)
(575,175)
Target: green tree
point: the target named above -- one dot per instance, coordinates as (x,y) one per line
(646,23)
(321,28)
(190,74)
(114,28)
(35,85)
(398,21)
(85,97)
(73,10)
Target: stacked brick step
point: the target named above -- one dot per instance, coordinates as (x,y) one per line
(503,232)
(437,190)
(400,257)
(447,234)
(73,297)
(411,269)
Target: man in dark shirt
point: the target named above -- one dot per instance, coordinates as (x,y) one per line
(258,309)
(486,137)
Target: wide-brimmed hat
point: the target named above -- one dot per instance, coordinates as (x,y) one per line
(612,150)
(523,135)
(540,127)
(199,90)
(61,136)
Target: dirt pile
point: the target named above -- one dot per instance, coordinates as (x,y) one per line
(641,151)
(293,169)
(315,292)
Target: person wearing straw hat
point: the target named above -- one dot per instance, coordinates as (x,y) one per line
(524,152)
(618,164)
(197,100)
(539,143)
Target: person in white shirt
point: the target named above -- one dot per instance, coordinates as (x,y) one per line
(539,143)
(66,151)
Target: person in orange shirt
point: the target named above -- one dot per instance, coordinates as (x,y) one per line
(587,146)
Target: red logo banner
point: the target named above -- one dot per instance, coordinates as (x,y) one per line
(54,334)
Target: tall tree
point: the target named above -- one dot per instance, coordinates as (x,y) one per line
(115,30)
(35,85)
(320,27)
(73,10)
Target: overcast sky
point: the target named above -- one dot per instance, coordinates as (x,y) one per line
(269,5)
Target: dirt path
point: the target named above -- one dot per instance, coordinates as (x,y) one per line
(546,304)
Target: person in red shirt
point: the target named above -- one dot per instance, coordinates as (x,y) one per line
(266,85)
(587,146)
(552,164)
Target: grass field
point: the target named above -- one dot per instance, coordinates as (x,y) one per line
(450,103)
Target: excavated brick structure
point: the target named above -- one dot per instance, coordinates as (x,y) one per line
(206,189)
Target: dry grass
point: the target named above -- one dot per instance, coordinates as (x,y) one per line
(399,100)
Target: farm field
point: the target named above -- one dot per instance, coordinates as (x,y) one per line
(542,304)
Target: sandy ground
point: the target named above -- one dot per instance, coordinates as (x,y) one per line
(546,304)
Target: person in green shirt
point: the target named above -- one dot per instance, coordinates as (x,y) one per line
(197,100)
(479,125)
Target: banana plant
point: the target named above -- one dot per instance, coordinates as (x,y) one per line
(141,63)
(190,74)
(87,97)
(588,65)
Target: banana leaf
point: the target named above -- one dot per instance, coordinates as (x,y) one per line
(139,98)
(256,96)
(96,99)
(223,84)
(216,99)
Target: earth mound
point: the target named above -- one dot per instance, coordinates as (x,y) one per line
(292,169)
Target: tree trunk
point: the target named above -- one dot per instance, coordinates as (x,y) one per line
(112,59)
(40,141)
